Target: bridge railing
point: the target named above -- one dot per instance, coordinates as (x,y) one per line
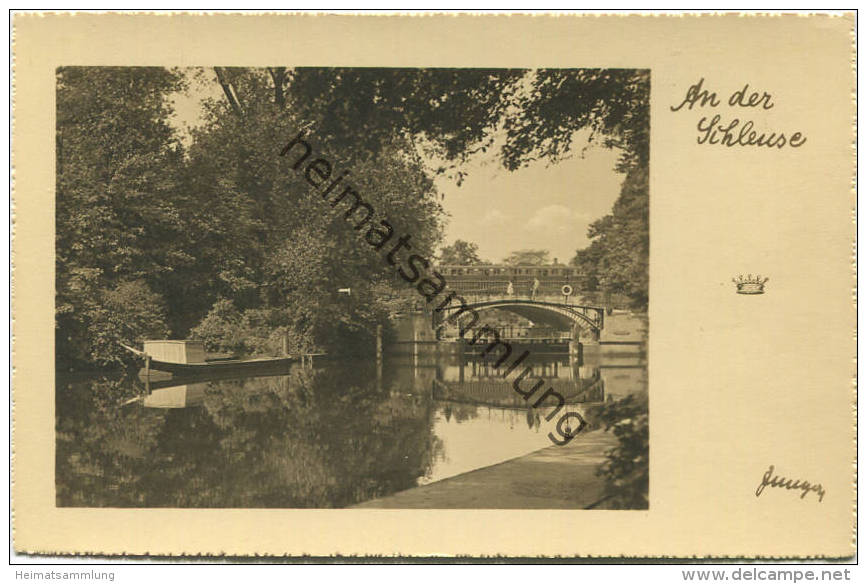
(496,287)
(510,332)
(548,290)
(521,287)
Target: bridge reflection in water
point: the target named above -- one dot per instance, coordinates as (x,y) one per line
(478,381)
(471,379)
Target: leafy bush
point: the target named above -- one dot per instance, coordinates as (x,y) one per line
(626,469)
(256,331)
(128,313)
(221,328)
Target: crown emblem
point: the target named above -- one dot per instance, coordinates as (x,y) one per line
(750,284)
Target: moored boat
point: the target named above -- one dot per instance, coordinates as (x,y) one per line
(187,357)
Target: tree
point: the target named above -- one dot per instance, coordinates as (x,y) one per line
(290,252)
(527,257)
(458,112)
(614,104)
(461,253)
(616,261)
(119,226)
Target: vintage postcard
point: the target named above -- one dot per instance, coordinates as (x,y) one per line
(434,285)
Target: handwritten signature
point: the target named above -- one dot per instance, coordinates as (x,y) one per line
(769,480)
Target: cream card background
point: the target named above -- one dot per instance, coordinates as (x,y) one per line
(736,383)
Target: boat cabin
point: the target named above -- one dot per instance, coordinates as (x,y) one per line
(176,351)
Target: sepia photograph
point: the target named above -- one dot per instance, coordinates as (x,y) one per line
(326,287)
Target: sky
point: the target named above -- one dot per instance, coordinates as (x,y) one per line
(540,206)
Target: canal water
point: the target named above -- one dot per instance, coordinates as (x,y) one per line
(331,435)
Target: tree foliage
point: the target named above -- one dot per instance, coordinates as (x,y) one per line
(463,111)
(527,257)
(617,259)
(119,216)
(614,104)
(290,251)
(627,465)
(461,253)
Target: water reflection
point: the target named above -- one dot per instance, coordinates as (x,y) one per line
(330,436)
(476,380)
(179,396)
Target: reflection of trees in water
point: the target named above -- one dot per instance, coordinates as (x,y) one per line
(314,438)
(98,444)
(461,412)
(493,390)
(534,420)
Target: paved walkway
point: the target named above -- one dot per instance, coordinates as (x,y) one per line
(557,477)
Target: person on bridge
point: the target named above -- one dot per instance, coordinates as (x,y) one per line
(535,289)
(510,289)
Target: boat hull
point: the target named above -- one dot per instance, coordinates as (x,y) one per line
(223,367)
(161,379)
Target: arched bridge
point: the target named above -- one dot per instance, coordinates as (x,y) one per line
(559,315)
